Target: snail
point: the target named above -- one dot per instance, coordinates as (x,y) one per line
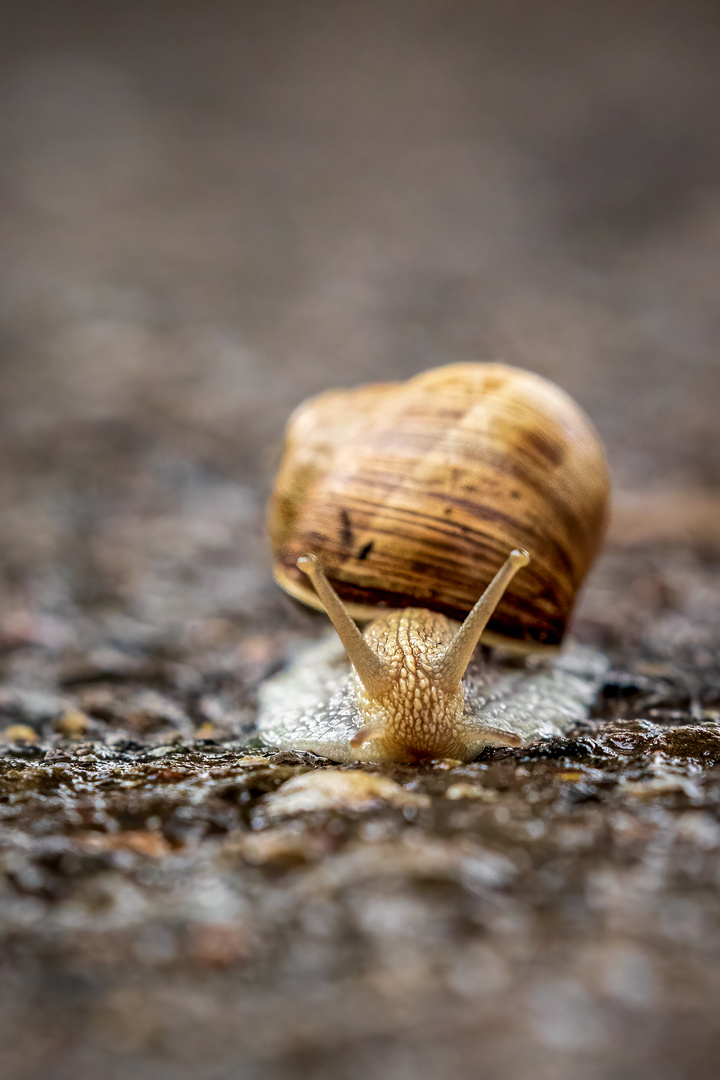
(402,503)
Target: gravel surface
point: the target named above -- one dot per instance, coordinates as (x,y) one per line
(208,214)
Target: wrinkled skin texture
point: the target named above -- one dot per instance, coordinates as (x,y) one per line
(314,706)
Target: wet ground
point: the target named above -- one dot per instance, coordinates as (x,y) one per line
(206,218)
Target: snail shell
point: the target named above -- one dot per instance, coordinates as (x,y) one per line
(412,494)
(405,500)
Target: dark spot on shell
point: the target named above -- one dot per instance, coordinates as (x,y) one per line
(546,446)
(346,533)
(493,383)
(365,550)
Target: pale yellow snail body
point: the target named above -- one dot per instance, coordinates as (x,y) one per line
(399,503)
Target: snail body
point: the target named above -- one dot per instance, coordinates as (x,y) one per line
(399,502)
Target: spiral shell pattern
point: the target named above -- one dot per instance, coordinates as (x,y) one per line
(412,494)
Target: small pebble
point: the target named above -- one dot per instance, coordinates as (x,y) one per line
(161,751)
(73,724)
(333,789)
(666,784)
(282,849)
(140,841)
(471,791)
(207,731)
(20,733)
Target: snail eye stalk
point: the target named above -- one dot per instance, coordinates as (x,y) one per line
(370,668)
(450,669)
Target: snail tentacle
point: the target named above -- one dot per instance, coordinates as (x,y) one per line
(450,669)
(371,671)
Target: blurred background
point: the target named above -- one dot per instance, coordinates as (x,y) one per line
(211,210)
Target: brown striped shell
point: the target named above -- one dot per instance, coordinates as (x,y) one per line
(412,494)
